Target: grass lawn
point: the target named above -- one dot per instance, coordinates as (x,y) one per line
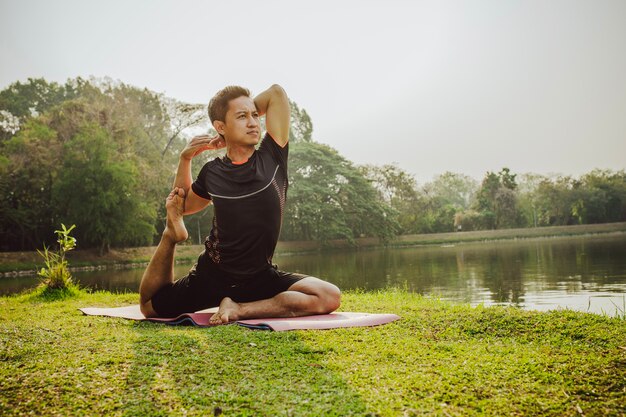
(440,359)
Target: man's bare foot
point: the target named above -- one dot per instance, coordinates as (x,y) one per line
(175,206)
(227,312)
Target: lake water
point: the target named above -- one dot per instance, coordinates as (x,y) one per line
(582,273)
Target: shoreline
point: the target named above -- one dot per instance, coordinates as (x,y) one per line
(14,264)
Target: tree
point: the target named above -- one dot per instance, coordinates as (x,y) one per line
(496,200)
(455,189)
(434,214)
(442,202)
(527,198)
(397,188)
(505,205)
(102,200)
(301,125)
(600,197)
(184,117)
(28,170)
(330,199)
(22,101)
(554,202)
(33,162)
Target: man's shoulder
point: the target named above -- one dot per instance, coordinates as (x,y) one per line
(210,171)
(270,146)
(212,164)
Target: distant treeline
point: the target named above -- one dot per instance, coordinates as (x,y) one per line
(454,202)
(102,155)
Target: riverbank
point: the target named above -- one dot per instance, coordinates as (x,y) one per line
(439,359)
(27,263)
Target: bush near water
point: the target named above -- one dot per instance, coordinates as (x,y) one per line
(56,273)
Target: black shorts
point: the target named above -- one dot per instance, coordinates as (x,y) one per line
(206,285)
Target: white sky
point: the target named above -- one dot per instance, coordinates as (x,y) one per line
(463,86)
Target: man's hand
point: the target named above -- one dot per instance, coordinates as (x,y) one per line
(202,143)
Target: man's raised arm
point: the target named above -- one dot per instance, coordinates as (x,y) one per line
(274,104)
(184,179)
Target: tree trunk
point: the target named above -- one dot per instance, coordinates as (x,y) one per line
(105,248)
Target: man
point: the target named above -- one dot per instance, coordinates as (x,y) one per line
(248,189)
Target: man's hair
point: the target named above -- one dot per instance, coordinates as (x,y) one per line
(218,106)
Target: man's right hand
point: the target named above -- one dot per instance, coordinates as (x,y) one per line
(202,143)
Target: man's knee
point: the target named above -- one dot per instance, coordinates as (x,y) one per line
(329,298)
(147,310)
(333,298)
(324,296)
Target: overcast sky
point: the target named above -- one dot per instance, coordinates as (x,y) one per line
(434,86)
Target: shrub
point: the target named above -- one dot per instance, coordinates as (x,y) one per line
(56,274)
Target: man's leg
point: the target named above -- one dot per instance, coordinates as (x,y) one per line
(160,270)
(306,297)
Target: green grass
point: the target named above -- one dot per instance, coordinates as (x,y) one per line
(440,359)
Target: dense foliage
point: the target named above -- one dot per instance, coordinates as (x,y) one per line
(88,153)
(329,198)
(101,154)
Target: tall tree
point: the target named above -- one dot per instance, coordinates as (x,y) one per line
(137,128)
(103,200)
(527,198)
(22,101)
(458,190)
(185,117)
(496,200)
(397,188)
(330,199)
(555,200)
(600,197)
(444,200)
(301,125)
(29,167)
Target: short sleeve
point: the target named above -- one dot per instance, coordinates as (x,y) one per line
(279,153)
(199,185)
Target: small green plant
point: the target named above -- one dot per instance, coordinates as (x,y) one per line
(56,274)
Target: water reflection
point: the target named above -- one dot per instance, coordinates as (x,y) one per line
(587,274)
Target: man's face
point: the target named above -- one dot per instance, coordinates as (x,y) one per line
(242,125)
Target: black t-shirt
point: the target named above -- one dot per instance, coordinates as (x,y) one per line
(249,201)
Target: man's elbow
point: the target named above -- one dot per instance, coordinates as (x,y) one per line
(279,91)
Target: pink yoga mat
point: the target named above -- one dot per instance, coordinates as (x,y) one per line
(201,318)
(325,321)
